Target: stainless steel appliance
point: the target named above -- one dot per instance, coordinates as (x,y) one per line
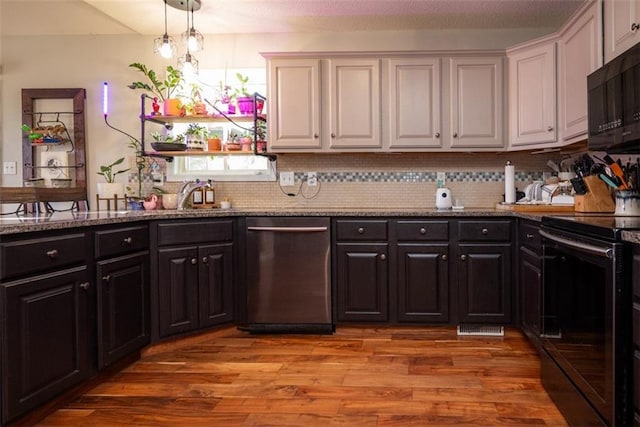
(586,320)
(288,275)
(614,104)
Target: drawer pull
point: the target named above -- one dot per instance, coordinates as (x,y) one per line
(463,257)
(437,134)
(455,134)
(194,261)
(444,257)
(85,286)
(383,257)
(423,230)
(485,231)
(635,26)
(128,240)
(361,230)
(549,128)
(205,260)
(530,236)
(106,278)
(53,253)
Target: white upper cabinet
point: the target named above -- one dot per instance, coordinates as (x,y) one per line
(532,94)
(621,26)
(476,92)
(354,100)
(294,104)
(579,54)
(415,120)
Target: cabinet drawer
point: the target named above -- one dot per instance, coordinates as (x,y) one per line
(37,255)
(121,241)
(482,231)
(423,230)
(361,230)
(529,236)
(190,232)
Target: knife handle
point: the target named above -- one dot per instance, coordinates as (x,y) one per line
(617,171)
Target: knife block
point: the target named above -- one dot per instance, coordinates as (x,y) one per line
(597,199)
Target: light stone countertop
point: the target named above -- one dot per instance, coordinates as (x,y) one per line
(12,224)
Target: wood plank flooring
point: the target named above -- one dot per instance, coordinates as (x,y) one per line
(360,376)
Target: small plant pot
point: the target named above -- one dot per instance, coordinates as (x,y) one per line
(172,107)
(195,143)
(214,144)
(107,190)
(245,104)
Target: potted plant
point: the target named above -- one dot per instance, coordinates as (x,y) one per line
(196,135)
(164,90)
(163,142)
(243,97)
(195,106)
(111,188)
(214,142)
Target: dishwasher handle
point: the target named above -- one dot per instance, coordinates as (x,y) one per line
(289,229)
(580,246)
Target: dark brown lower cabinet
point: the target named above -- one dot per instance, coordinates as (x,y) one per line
(123,306)
(636,334)
(194,287)
(362,282)
(47,330)
(423,282)
(484,271)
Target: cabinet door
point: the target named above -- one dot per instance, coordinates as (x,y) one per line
(423,279)
(177,290)
(362,283)
(579,54)
(621,26)
(532,84)
(530,294)
(216,284)
(46,330)
(485,283)
(123,306)
(414,103)
(477,102)
(355,103)
(294,104)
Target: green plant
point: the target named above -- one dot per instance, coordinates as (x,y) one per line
(161,89)
(107,170)
(197,130)
(159,137)
(242,91)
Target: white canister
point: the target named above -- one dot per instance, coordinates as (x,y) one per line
(627,203)
(443,198)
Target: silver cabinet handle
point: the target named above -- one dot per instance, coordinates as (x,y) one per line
(549,128)
(194,261)
(635,26)
(85,286)
(423,230)
(53,253)
(106,278)
(127,240)
(444,257)
(361,230)
(463,257)
(205,260)
(437,135)
(383,257)
(485,231)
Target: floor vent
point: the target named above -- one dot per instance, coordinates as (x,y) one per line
(481,330)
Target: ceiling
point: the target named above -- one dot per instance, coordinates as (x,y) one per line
(146,17)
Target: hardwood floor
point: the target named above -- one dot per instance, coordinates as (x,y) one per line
(391,376)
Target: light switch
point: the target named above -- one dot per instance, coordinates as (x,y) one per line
(9,168)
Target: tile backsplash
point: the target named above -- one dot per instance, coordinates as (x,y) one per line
(382,180)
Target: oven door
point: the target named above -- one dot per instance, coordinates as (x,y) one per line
(580,282)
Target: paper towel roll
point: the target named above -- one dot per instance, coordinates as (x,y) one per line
(509,183)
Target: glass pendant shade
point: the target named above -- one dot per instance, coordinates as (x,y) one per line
(165,46)
(193,39)
(188,64)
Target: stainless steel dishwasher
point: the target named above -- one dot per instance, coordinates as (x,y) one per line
(288,275)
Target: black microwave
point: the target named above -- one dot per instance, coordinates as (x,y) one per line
(614,104)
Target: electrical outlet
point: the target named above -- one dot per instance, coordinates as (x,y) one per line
(441,179)
(312,179)
(9,168)
(286,179)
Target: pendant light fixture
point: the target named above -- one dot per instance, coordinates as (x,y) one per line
(192,38)
(165,45)
(188,64)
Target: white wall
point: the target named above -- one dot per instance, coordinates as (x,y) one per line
(88,61)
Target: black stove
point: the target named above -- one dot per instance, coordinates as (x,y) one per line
(605,226)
